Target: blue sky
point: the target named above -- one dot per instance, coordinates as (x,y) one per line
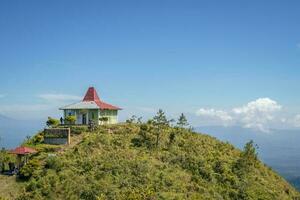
(203,58)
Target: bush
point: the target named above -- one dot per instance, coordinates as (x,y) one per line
(103,120)
(145,137)
(39,138)
(78,129)
(51,122)
(54,163)
(5,159)
(29,169)
(70,119)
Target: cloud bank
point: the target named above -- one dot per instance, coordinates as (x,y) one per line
(296,121)
(219,115)
(262,114)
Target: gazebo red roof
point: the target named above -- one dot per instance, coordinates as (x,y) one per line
(91,95)
(23,151)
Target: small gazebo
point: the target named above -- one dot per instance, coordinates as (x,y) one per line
(22,152)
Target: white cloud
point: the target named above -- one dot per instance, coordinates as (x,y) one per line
(2,95)
(215,115)
(296,121)
(261,105)
(59,97)
(259,114)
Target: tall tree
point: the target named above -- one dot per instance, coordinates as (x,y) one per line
(248,158)
(182,121)
(160,119)
(160,122)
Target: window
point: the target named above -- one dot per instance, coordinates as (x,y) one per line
(70,112)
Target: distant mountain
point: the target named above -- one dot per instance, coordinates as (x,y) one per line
(5,121)
(279,149)
(13,132)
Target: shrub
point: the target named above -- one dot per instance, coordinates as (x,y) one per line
(78,129)
(172,137)
(103,120)
(70,119)
(54,163)
(5,159)
(29,169)
(145,136)
(51,122)
(39,138)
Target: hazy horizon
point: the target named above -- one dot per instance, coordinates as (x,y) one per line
(226,63)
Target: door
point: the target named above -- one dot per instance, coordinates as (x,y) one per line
(83,118)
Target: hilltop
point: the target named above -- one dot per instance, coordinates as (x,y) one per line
(132,161)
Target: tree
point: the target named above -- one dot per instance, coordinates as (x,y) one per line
(160,122)
(132,119)
(160,119)
(250,151)
(248,158)
(182,121)
(139,120)
(51,122)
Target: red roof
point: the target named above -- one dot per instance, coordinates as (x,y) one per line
(23,150)
(91,95)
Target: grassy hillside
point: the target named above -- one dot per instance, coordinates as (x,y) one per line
(132,161)
(10,189)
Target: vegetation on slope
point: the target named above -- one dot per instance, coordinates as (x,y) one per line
(152,161)
(9,188)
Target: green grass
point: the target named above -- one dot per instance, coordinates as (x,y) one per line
(9,188)
(125,162)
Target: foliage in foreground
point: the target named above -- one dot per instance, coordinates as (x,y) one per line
(52,122)
(5,159)
(154,161)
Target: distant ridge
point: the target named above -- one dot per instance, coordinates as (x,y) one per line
(13,131)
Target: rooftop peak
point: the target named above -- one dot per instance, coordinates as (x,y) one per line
(91,95)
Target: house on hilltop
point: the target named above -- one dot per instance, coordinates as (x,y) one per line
(92,108)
